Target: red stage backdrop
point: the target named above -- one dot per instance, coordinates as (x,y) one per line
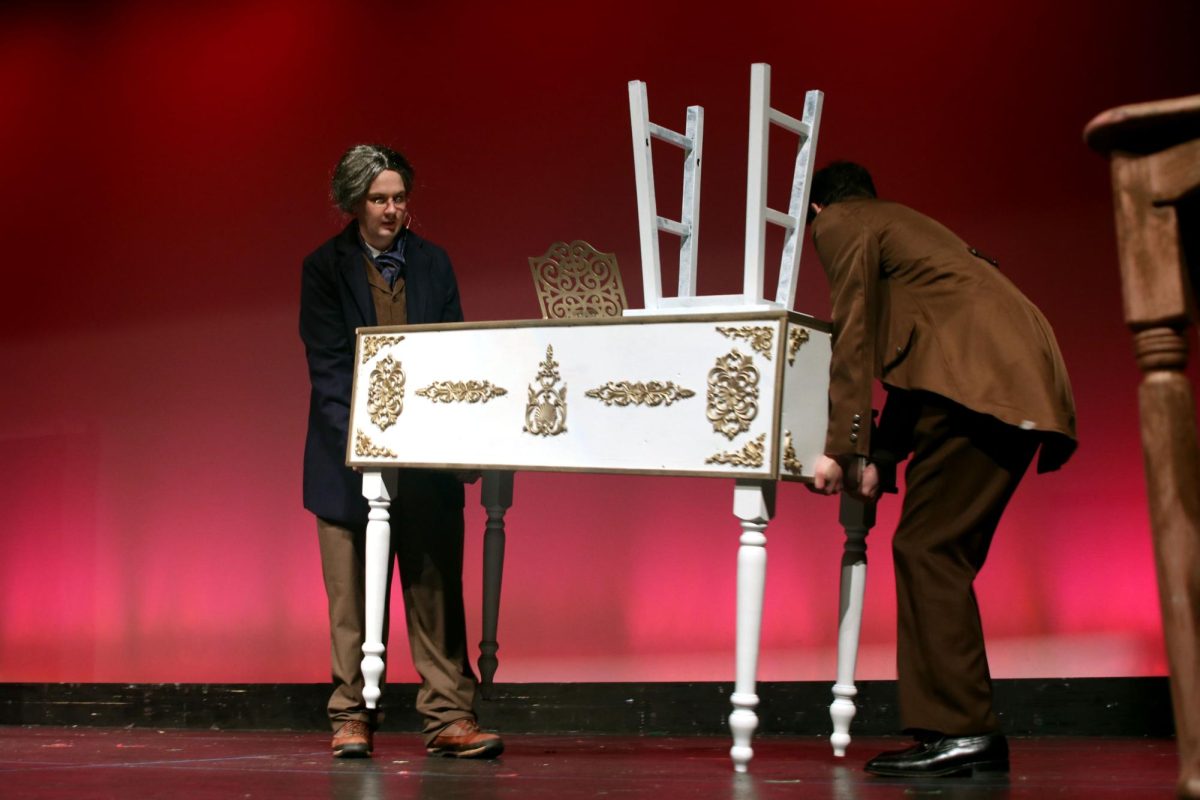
(165,170)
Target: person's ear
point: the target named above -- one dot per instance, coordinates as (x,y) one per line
(813,210)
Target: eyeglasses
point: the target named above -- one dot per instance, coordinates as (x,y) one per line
(381,201)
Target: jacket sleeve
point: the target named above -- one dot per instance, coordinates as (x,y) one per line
(849,251)
(451,304)
(328,349)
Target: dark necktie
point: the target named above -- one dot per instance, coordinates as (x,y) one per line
(391,266)
(391,263)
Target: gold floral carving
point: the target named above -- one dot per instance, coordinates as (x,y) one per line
(576,280)
(749,456)
(758,336)
(546,410)
(732,394)
(373,344)
(790,462)
(365,448)
(653,393)
(461,391)
(796,337)
(385,396)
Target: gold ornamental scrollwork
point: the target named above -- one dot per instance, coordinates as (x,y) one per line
(790,462)
(759,337)
(651,393)
(365,448)
(385,395)
(749,456)
(546,410)
(796,337)
(461,391)
(732,394)
(578,281)
(373,344)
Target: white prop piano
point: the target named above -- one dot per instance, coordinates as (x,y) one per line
(721,387)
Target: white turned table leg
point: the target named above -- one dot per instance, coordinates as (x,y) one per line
(857,518)
(379,488)
(496,498)
(753,505)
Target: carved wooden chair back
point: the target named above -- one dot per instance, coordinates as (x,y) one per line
(576,280)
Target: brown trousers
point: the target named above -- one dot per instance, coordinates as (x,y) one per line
(427,543)
(964,469)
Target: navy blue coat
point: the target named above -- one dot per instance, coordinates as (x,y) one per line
(335,299)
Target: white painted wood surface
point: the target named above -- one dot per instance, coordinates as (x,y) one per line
(674,437)
(783,358)
(857,518)
(753,505)
(378,488)
(758,213)
(650,222)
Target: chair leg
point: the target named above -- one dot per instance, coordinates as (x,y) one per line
(496,498)
(1167,408)
(379,487)
(753,505)
(857,518)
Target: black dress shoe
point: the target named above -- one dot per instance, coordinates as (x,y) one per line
(945,756)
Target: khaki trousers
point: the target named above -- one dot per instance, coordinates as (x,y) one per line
(427,544)
(963,471)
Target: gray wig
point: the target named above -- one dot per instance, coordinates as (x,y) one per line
(358,167)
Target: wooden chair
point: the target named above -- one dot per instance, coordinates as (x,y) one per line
(1154,149)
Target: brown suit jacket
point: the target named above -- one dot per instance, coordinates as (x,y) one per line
(916,307)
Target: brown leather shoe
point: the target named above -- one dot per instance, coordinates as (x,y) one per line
(352,740)
(463,739)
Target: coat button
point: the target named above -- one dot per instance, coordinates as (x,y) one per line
(853,437)
(858,417)
(855,426)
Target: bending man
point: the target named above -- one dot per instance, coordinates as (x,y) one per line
(975,384)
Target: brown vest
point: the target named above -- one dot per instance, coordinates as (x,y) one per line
(390,302)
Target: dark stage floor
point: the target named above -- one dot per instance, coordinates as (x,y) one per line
(86,763)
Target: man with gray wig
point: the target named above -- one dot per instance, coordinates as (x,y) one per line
(378,272)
